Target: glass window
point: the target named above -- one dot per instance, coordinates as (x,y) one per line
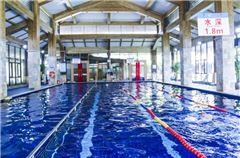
(22,53)
(11,52)
(15,65)
(17,52)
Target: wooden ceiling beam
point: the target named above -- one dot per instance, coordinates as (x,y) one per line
(82,7)
(176,2)
(201,6)
(107,36)
(43,2)
(20,8)
(16,27)
(172,25)
(170,11)
(28,14)
(142,20)
(149,4)
(69,6)
(45,27)
(133,7)
(15,40)
(112,23)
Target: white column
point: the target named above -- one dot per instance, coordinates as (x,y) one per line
(34,80)
(225,52)
(166,59)
(186,45)
(52,59)
(3,50)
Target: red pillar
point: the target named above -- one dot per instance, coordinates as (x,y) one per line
(80,77)
(137,71)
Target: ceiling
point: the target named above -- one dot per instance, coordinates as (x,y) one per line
(55,7)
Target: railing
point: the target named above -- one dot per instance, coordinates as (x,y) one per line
(55,129)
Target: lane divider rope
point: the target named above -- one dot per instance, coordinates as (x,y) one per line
(188,146)
(203,104)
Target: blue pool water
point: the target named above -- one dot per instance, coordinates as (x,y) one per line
(109,124)
(26,120)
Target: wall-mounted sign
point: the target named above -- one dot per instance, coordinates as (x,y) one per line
(76,60)
(213,24)
(52,63)
(62,67)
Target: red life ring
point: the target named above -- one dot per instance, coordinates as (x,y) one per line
(52,74)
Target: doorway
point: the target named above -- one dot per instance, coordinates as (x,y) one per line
(132,70)
(80,72)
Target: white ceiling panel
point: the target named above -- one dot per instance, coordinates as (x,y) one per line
(142,3)
(162,6)
(114,44)
(79,44)
(91,17)
(78,2)
(137,44)
(126,44)
(10,14)
(125,16)
(55,6)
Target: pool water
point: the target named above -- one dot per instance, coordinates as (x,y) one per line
(26,120)
(109,123)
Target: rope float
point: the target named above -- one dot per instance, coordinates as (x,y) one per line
(208,105)
(197,153)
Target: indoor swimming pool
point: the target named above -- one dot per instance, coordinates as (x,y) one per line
(108,122)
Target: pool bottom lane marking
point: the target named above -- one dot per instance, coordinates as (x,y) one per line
(197,153)
(87,138)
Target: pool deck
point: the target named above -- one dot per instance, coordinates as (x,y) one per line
(15,92)
(204,87)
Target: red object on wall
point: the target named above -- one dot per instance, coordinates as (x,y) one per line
(80,76)
(137,71)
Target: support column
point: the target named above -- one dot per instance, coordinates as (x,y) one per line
(3,51)
(186,46)
(34,81)
(96,77)
(166,59)
(154,63)
(52,59)
(225,51)
(109,71)
(130,71)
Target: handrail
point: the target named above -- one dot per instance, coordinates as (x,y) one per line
(55,129)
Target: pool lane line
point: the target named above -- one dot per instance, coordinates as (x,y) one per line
(203,104)
(87,138)
(188,146)
(63,137)
(55,129)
